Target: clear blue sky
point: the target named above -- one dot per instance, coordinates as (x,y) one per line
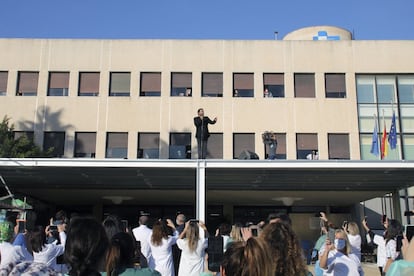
(197,19)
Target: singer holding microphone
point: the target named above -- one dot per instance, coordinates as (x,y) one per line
(201,123)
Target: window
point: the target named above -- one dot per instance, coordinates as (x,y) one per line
(307,146)
(58,84)
(56,142)
(3,83)
(181,84)
(27,83)
(150,84)
(116,145)
(241,143)
(274,86)
(305,85)
(85,144)
(406,89)
(407,118)
(212,85)
(120,84)
(243,85)
(180,145)
(365,89)
(385,89)
(88,84)
(280,149)
(338,146)
(28,134)
(408,140)
(148,145)
(215,146)
(335,86)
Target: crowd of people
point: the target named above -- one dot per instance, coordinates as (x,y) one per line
(84,246)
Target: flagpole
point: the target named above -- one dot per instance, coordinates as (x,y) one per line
(378,138)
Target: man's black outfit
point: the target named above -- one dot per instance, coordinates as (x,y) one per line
(202,134)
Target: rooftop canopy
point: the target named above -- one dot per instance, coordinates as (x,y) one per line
(237,182)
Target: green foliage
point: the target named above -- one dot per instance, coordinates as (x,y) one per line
(22,147)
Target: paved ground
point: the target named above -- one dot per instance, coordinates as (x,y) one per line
(370,269)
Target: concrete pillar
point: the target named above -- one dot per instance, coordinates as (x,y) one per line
(396,205)
(201,190)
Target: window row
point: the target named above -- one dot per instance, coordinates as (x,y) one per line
(180,145)
(181,84)
(385,89)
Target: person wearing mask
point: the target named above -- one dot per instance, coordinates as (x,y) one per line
(379,241)
(161,246)
(141,234)
(201,123)
(193,249)
(394,230)
(336,258)
(120,258)
(247,258)
(86,247)
(46,253)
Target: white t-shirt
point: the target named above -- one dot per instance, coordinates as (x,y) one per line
(381,256)
(50,252)
(342,265)
(355,241)
(162,255)
(141,234)
(191,263)
(391,250)
(10,254)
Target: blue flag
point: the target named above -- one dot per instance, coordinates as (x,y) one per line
(392,138)
(374,145)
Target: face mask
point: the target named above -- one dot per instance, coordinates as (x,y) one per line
(340,244)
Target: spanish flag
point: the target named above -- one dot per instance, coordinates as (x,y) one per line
(384,142)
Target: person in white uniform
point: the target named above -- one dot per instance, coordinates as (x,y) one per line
(161,246)
(337,259)
(47,253)
(354,238)
(193,249)
(141,234)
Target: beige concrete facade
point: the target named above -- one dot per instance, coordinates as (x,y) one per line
(167,114)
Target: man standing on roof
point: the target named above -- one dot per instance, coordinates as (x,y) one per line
(201,123)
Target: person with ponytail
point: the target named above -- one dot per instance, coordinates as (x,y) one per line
(120,258)
(86,247)
(247,258)
(193,249)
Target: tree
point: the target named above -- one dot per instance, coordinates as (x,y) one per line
(22,147)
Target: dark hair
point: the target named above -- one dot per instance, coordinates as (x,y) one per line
(86,246)
(121,253)
(393,230)
(281,216)
(61,215)
(112,226)
(245,259)
(224,229)
(37,239)
(285,249)
(198,110)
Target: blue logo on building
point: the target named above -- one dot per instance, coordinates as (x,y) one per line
(323,35)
